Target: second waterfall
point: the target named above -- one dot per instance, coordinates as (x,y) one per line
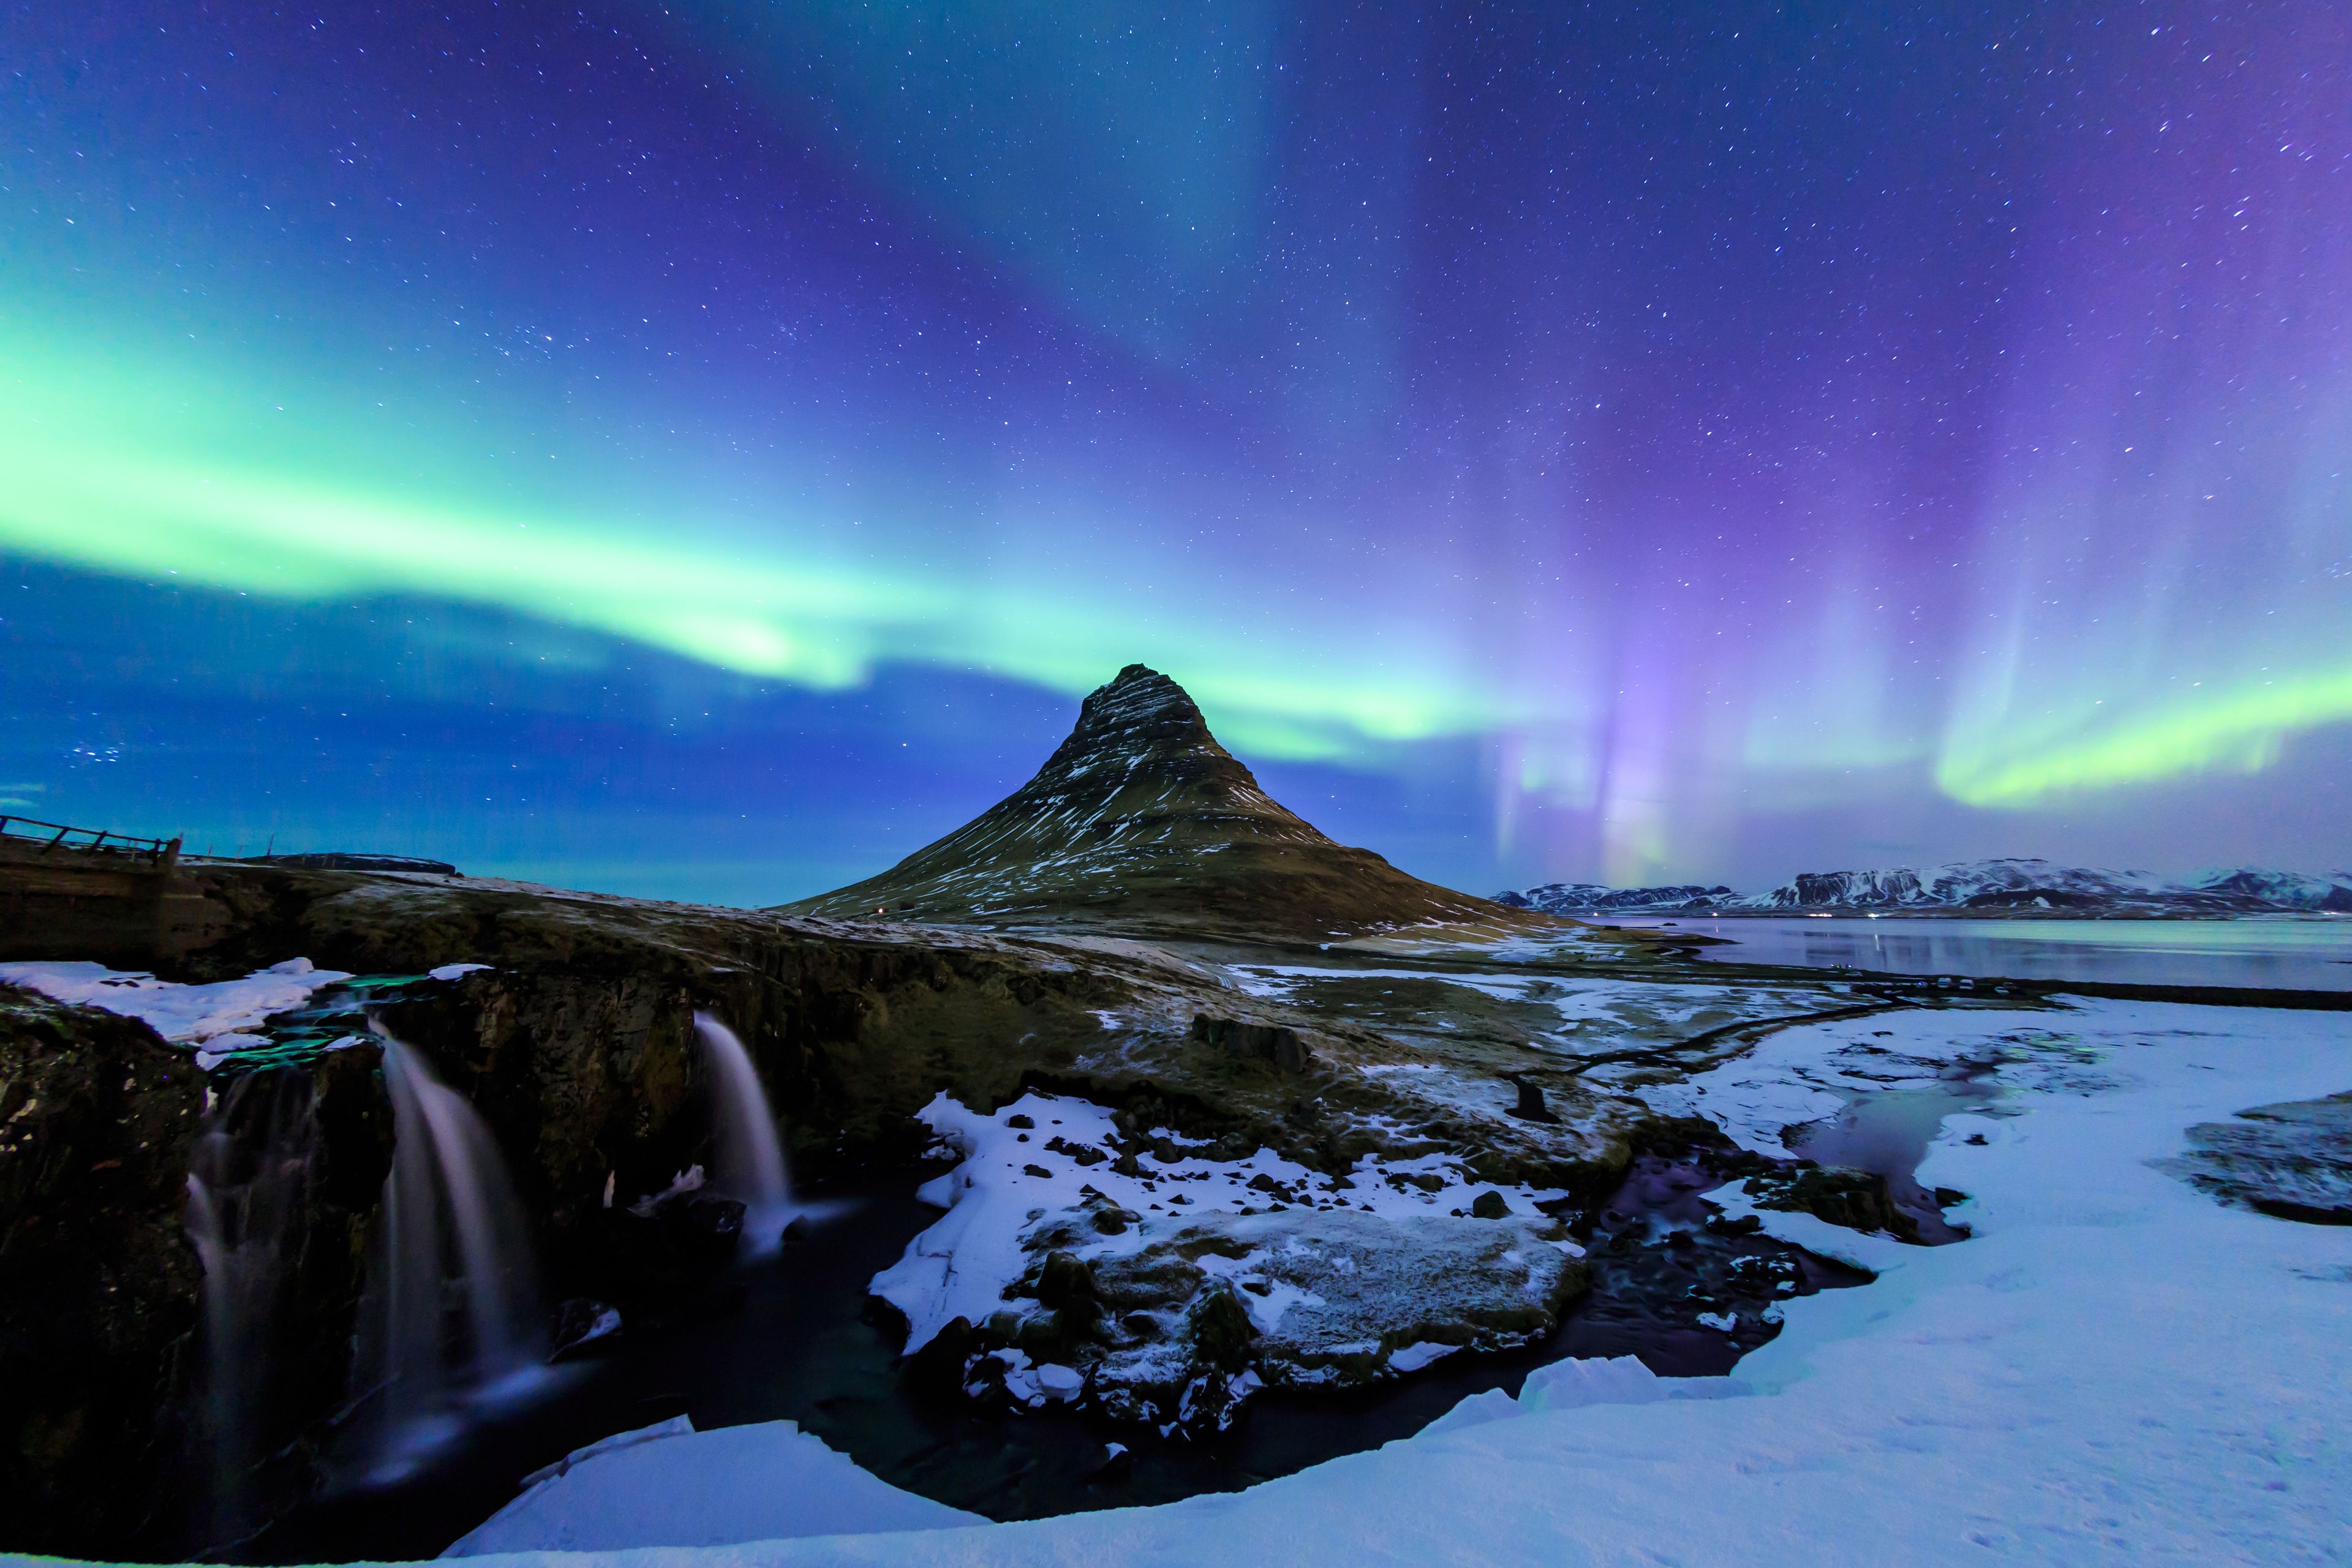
(751,1156)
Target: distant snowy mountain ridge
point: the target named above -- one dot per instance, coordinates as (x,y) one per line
(1972,884)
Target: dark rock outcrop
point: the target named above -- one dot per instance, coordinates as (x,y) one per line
(1283,1046)
(99,1283)
(1857,1200)
(2292,1161)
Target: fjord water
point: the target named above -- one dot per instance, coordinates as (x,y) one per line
(2286,955)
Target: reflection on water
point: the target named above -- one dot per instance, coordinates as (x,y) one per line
(1886,1132)
(2291,954)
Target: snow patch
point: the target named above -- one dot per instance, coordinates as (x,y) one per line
(184,1015)
(1413,1357)
(672,1486)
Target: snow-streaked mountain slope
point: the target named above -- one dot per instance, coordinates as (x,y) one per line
(1141,820)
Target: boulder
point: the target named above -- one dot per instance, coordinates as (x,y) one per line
(1283,1046)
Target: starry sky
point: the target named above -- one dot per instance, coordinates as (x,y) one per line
(705,450)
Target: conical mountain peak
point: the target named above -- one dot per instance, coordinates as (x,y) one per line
(1141,724)
(1140,819)
(1139,710)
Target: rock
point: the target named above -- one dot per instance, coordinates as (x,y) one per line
(938,1369)
(1042,1334)
(708,1229)
(1023,1123)
(1060,1382)
(1489,1204)
(1066,1283)
(2291,1160)
(797,1230)
(1038,1171)
(99,1283)
(1082,1153)
(672,1258)
(580,1322)
(1338,1289)
(1219,1329)
(1118,1466)
(578,1046)
(1284,1047)
(1530,1107)
(1857,1200)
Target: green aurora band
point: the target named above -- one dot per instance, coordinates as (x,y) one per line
(101,472)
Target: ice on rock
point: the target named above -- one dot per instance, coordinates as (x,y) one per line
(1260,1258)
(1057,1382)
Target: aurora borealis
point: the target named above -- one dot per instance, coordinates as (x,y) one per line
(704,450)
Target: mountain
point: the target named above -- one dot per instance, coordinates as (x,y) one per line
(1140,821)
(2020,884)
(2288,890)
(1591,898)
(1965,885)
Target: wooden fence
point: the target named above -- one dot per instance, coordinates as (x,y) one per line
(52,837)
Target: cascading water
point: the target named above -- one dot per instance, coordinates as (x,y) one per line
(751,1156)
(250,1181)
(450,1322)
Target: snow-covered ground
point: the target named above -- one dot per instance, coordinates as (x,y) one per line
(2115,1369)
(215,1016)
(1013,1179)
(769,1478)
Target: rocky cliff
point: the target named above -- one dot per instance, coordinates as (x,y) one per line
(98,1278)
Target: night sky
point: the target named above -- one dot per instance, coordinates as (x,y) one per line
(706,450)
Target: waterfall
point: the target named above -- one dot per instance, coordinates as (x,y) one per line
(249,1182)
(751,1164)
(450,1320)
